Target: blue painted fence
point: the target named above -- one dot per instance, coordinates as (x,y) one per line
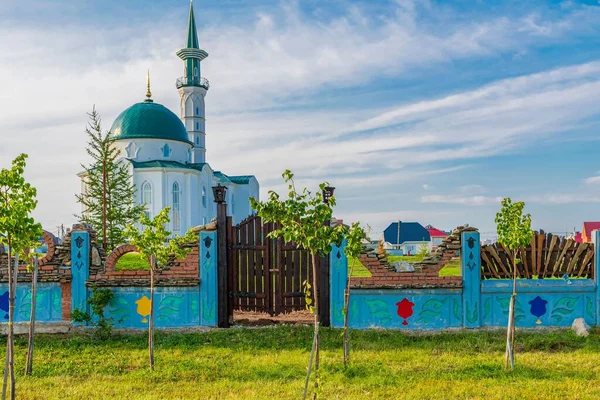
(547,303)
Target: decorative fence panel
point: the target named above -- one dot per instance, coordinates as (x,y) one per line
(547,256)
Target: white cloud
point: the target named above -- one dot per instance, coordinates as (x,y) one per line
(592,180)
(463,200)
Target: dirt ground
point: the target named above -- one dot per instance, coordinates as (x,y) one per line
(248,318)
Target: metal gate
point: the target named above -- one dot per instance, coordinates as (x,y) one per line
(265,275)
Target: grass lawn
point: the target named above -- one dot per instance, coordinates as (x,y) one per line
(450,269)
(359,269)
(131,262)
(270,363)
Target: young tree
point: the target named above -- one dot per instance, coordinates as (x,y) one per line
(154,244)
(514,232)
(33,266)
(352,250)
(19,229)
(109,197)
(302,219)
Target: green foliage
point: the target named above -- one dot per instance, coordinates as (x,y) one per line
(423,251)
(17,201)
(98,301)
(301,217)
(132,262)
(514,228)
(154,239)
(354,238)
(121,209)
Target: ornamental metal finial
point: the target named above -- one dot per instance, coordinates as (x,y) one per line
(148,92)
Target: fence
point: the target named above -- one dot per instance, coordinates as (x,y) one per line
(475,302)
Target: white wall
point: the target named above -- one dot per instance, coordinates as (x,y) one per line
(152,149)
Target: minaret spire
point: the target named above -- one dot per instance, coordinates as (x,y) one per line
(148,92)
(192,34)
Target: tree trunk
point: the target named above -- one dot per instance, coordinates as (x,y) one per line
(509,356)
(11,328)
(29,367)
(315,349)
(104,179)
(151,323)
(346,339)
(8,342)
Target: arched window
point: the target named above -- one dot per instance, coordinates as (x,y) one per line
(131,150)
(147,197)
(197,126)
(195,72)
(204,196)
(176,207)
(166,150)
(197,140)
(189,156)
(197,111)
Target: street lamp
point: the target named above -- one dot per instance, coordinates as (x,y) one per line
(327,193)
(219,192)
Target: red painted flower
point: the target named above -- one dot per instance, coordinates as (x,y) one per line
(405,309)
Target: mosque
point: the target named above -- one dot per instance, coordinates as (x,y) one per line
(167,153)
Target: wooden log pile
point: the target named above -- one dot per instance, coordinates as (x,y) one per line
(547,256)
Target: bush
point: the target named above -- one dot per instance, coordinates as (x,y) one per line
(98,301)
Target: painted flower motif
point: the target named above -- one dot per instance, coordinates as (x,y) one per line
(405,309)
(538,308)
(143,307)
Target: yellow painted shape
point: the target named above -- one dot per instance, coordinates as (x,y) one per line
(143,307)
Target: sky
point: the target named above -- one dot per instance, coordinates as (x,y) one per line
(414,110)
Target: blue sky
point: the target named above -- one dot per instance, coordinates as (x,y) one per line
(426,111)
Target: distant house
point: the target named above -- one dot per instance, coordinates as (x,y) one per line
(407,237)
(586,233)
(436,235)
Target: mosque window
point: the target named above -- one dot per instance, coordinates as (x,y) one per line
(195,71)
(197,126)
(197,111)
(204,196)
(166,150)
(197,140)
(176,207)
(189,156)
(147,197)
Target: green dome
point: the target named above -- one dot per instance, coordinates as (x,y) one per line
(149,120)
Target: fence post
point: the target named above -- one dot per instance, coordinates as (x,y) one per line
(324,288)
(208,278)
(80,269)
(596,237)
(338,281)
(470,265)
(223,293)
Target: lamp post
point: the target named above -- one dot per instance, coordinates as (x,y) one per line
(220,194)
(327,193)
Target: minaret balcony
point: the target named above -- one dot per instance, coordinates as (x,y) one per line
(185,81)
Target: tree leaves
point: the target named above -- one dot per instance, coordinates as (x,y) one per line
(514,228)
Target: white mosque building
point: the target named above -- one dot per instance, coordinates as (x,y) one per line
(167,153)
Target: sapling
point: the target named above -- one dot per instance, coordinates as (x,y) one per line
(514,232)
(352,250)
(155,244)
(301,219)
(18,230)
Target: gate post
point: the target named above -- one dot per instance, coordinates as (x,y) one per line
(470,265)
(324,292)
(338,284)
(208,278)
(223,295)
(80,269)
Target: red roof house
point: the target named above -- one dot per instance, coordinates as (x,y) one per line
(588,227)
(436,235)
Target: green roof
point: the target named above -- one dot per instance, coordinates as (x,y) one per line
(149,120)
(166,164)
(241,179)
